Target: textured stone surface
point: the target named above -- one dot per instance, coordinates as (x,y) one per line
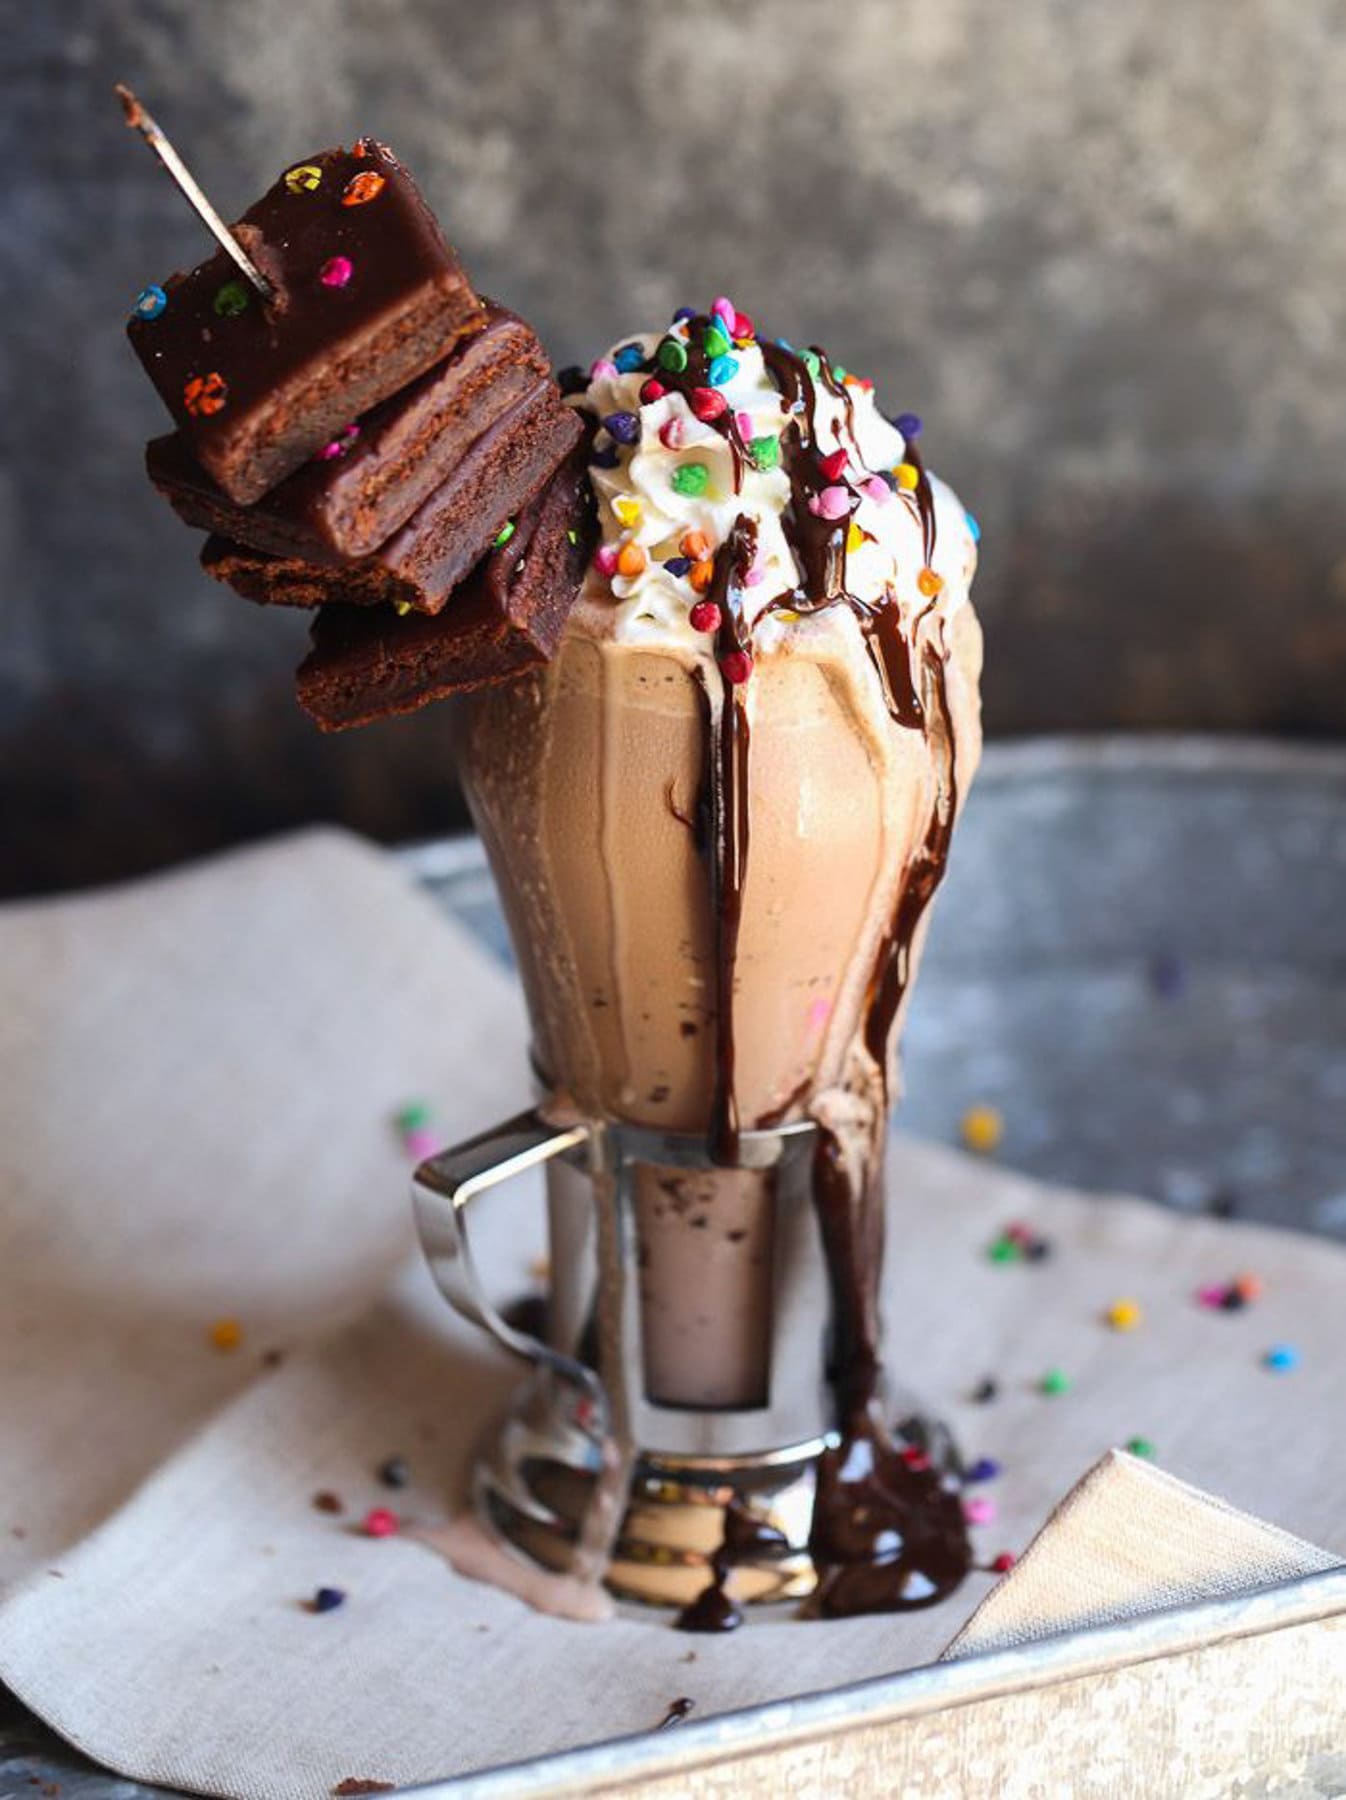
(1092,243)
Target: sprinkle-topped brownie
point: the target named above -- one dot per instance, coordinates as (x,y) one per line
(419,565)
(367,663)
(367,296)
(366,483)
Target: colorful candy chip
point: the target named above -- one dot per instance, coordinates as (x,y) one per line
(205,394)
(505,533)
(722,370)
(395,1472)
(930,584)
(690,479)
(304,178)
(340,444)
(336,272)
(704,616)
(150,302)
(765,452)
(624,427)
(226,1334)
(363,188)
(233,298)
(737,667)
(629,358)
(831,503)
(707,403)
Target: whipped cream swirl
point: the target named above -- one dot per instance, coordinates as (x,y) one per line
(671,483)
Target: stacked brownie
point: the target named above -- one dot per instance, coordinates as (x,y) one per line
(373,440)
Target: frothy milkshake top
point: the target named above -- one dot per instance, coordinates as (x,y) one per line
(709,429)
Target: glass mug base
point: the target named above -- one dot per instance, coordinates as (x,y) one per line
(706,1491)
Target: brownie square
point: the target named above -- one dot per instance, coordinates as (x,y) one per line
(419,565)
(368,295)
(508,616)
(366,484)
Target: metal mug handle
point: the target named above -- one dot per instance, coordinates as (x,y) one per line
(443,1188)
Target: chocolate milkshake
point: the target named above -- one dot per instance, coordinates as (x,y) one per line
(717,819)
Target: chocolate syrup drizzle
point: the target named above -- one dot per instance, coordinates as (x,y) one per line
(888,1531)
(745,1538)
(727,740)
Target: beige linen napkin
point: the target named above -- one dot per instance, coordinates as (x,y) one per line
(1126,1541)
(238,1067)
(197,1080)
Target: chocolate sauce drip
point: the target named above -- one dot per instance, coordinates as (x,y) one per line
(677,1712)
(745,1537)
(889,653)
(817,544)
(726,786)
(837,387)
(925,499)
(887,1534)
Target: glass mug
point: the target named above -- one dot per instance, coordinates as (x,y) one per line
(705,934)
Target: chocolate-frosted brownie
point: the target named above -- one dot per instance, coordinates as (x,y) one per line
(366,483)
(507,616)
(453,529)
(368,295)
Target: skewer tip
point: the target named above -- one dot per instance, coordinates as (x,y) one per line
(133,111)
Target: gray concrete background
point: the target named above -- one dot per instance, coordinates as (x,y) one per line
(1097,243)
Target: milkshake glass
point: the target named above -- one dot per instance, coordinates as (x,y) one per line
(716,821)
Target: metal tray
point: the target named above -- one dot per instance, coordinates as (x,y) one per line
(1139,957)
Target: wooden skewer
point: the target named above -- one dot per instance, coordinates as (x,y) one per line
(140,120)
